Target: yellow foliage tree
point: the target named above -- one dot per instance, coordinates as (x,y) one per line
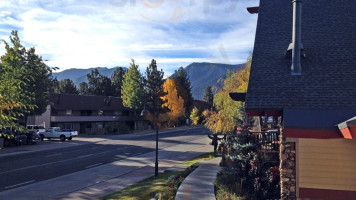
(194,116)
(173,102)
(229,113)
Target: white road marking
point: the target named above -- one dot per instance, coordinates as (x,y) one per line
(29,167)
(24,183)
(90,166)
(54,155)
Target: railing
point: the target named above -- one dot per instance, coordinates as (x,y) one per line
(267,140)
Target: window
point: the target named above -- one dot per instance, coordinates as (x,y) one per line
(68,126)
(68,112)
(100,112)
(117,113)
(99,125)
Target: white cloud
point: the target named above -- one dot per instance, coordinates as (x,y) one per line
(84,34)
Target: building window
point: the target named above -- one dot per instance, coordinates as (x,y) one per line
(100,112)
(68,126)
(68,112)
(99,125)
(117,113)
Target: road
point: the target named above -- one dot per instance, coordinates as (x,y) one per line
(24,169)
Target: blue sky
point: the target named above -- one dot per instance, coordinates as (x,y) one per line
(108,33)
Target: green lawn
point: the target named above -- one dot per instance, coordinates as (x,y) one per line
(207,156)
(148,188)
(145,189)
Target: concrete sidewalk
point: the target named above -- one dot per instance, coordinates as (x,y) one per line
(200,183)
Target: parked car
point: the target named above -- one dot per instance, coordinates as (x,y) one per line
(55,132)
(32,137)
(16,137)
(36,128)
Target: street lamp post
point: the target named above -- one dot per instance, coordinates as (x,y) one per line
(156,114)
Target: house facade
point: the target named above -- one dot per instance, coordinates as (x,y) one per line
(87,114)
(303,72)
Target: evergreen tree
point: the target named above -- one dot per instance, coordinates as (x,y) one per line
(67,86)
(105,83)
(34,73)
(182,81)
(132,88)
(116,81)
(208,95)
(83,88)
(98,84)
(154,88)
(54,86)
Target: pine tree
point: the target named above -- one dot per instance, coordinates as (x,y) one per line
(208,95)
(132,88)
(116,81)
(183,84)
(154,88)
(54,85)
(98,84)
(83,88)
(67,86)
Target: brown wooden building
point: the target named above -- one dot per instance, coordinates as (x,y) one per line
(305,74)
(87,114)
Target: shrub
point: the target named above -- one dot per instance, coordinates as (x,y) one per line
(247,172)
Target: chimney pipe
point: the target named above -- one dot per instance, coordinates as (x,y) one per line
(296,40)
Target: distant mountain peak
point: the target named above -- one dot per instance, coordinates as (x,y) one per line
(208,74)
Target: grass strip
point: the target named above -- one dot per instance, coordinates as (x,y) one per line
(206,156)
(165,185)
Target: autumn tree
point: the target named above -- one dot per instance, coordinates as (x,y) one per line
(132,88)
(229,113)
(208,95)
(67,86)
(116,81)
(172,101)
(183,84)
(194,116)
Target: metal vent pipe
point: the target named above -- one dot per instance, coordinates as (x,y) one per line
(297,37)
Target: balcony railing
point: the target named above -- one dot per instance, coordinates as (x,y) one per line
(87,118)
(267,140)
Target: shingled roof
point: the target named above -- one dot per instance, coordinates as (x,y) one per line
(328,79)
(85,102)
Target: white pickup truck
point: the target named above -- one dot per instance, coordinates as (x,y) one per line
(55,132)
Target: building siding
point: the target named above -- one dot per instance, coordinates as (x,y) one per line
(327,164)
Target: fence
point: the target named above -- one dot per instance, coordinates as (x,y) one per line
(267,140)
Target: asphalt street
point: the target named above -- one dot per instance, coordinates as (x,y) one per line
(24,169)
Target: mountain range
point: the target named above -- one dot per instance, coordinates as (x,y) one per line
(200,75)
